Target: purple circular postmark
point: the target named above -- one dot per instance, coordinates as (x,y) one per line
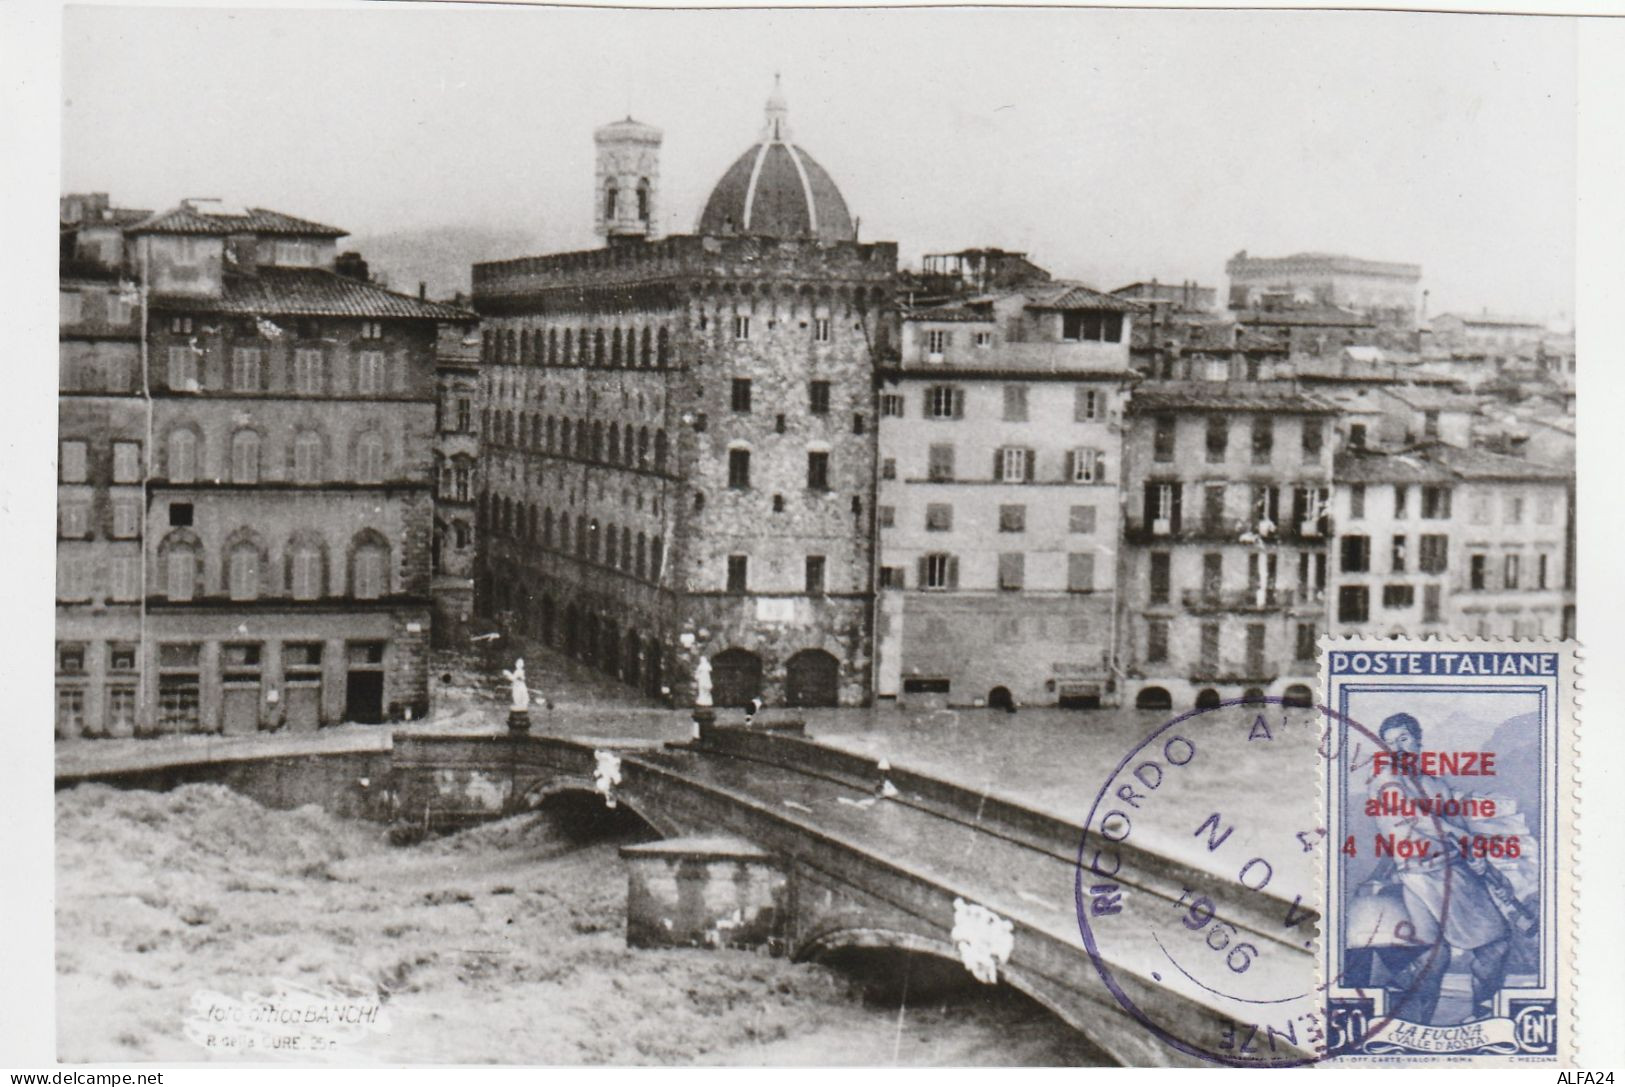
(1198,886)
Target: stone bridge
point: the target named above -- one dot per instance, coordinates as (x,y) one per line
(822,850)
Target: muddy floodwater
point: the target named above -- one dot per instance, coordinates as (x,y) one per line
(501,944)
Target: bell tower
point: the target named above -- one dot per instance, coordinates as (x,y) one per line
(628,181)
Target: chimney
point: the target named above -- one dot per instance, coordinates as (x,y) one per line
(351,266)
(423,290)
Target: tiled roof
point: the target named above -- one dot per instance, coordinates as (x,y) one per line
(1438,462)
(309,292)
(1317,315)
(962,311)
(1354,370)
(186,220)
(1062,295)
(1431,398)
(1226,396)
(1371,466)
(1482,464)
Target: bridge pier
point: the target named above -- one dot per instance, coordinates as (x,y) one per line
(711,891)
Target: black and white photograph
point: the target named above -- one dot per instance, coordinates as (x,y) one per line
(642,536)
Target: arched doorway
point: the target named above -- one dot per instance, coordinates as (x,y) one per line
(736,677)
(1252,694)
(1298,696)
(812,678)
(1153,698)
(1207,698)
(652,674)
(999,699)
(633,673)
(589,640)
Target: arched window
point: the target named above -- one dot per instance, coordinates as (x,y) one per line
(181,562)
(643,556)
(564,533)
(245,457)
(243,572)
(535,431)
(643,200)
(547,527)
(305,571)
(593,536)
(629,450)
(564,436)
(615,348)
(581,535)
(583,352)
(369,458)
(611,193)
(655,552)
(612,541)
(370,577)
(459,534)
(307,457)
(598,347)
(643,447)
(581,439)
(660,450)
(614,446)
(597,441)
(462,480)
(646,356)
(626,548)
(662,348)
(552,433)
(182,456)
(552,347)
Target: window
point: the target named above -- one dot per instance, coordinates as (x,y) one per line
(1401,495)
(891,577)
(1161,575)
(1077,325)
(983,339)
(465,414)
(1015,403)
(886,516)
(1086,404)
(937,340)
(306,572)
(1162,507)
(1357,502)
(126,518)
(1478,570)
(1430,603)
(1081,520)
(1430,424)
(944,402)
(243,573)
(74,469)
(1218,438)
(741,394)
(73,520)
(1012,518)
(940,467)
(1013,464)
(818,397)
(1209,647)
(180,326)
(245,369)
(739,469)
(369,458)
(1436,504)
(178,687)
(1543,570)
(821,330)
(1396,562)
(1398,596)
(1306,642)
(738,571)
(1356,554)
(308,371)
(1314,439)
(891,405)
(1156,640)
(1353,604)
(180,514)
(888,468)
(817,471)
(1263,439)
(1357,436)
(369,573)
(181,373)
(125,574)
(1433,554)
(1012,570)
(1514,509)
(858,425)
(126,462)
(1080,572)
(181,573)
(307,457)
(1510,576)
(369,376)
(1085,466)
(1162,439)
(245,457)
(939,571)
(741,326)
(815,575)
(374,330)
(70,711)
(939,517)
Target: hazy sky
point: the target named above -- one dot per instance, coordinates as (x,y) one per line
(1111,145)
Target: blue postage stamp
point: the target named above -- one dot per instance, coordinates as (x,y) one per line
(1449,868)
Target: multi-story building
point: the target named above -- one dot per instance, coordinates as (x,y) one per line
(245,503)
(1226,486)
(1000,435)
(1185,297)
(456,466)
(679,435)
(1384,290)
(1440,538)
(1485,333)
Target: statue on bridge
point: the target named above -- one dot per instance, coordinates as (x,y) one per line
(702,682)
(521,692)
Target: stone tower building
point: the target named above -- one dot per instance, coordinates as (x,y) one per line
(679,452)
(628,180)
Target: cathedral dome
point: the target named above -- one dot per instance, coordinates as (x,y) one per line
(776,189)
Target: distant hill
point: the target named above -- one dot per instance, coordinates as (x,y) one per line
(438,256)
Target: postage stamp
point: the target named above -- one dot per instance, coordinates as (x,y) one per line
(1448,802)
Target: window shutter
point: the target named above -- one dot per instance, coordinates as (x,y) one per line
(1071,465)
(953,571)
(959,403)
(925,402)
(1100,467)
(1032,458)
(1150,504)
(998,466)
(1174,518)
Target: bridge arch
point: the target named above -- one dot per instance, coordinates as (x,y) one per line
(582,789)
(1153,698)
